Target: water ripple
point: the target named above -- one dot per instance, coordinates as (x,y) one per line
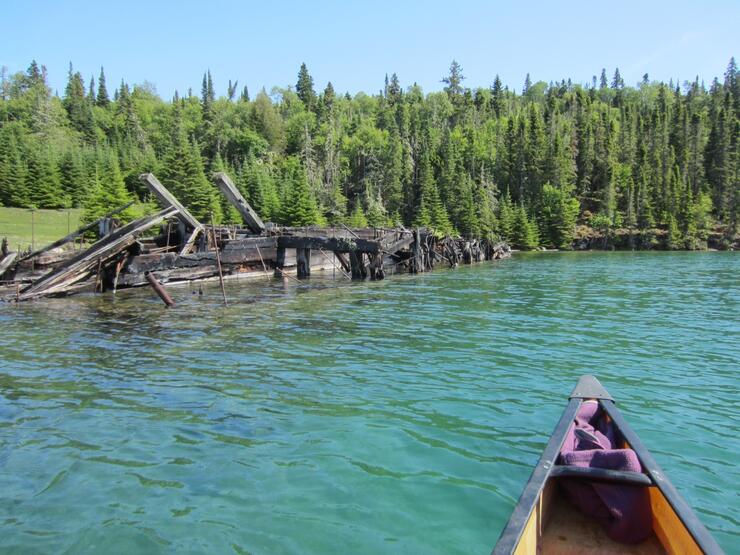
(326,417)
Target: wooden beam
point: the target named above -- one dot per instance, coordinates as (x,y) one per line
(190,241)
(232,194)
(342,260)
(82,265)
(168,199)
(329,244)
(74,235)
(402,243)
(7,262)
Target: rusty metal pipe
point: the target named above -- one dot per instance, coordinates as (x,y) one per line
(159,289)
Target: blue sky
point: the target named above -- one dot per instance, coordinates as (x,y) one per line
(354,44)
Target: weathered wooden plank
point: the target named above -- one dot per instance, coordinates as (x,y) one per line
(81,265)
(173,274)
(402,243)
(370,233)
(7,262)
(74,235)
(342,260)
(232,194)
(329,244)
(190,241)
(251,242)
(168,199)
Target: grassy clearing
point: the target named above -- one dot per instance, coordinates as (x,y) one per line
(48,226)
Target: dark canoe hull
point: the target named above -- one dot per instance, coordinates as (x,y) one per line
(676,529)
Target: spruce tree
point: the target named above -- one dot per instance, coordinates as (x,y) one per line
(524,235)
(304,88)
(102,99)
(300,208)
(73,177)
(357,217)
(557,212)
(42,181)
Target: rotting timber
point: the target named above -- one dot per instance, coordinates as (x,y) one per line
(184,249)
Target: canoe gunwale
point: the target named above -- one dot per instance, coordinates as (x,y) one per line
(683,510)
(512,533)
(589,388)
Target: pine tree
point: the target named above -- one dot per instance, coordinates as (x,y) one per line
(42,181)
(497,97)
(300,208)
(183,174)
(79,109)
(557,214)
(524,235)
(109,191)
(304,88)
(13,170)
(453,80)
(261,190)
(506,217)
(357,217)
(73,177)
(102,99)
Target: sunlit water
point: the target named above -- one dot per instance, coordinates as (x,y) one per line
(401,416)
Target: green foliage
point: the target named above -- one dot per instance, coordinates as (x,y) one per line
(357,217)
(524,234)
(557,213)
(299,206)
(658,159)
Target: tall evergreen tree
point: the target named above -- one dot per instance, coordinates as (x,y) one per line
(102,98)
(304,88)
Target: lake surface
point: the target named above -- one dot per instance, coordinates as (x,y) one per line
(401,416)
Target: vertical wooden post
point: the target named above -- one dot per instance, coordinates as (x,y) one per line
(418,262)
(279,262)
(303,260)
(376,266)
(218,261)
(356,264)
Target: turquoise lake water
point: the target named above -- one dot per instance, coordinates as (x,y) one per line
(401,416)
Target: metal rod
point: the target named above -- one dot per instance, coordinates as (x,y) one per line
(159,289)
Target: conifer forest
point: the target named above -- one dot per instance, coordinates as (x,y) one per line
(644,166)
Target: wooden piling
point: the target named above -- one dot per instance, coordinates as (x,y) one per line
(303,262)
(279,262)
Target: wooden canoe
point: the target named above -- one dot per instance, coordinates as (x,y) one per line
(545,522)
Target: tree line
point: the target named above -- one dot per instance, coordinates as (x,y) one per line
(650,161)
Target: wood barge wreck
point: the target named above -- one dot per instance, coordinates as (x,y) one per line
(174,246)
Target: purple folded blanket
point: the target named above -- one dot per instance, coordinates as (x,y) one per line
(624,510)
